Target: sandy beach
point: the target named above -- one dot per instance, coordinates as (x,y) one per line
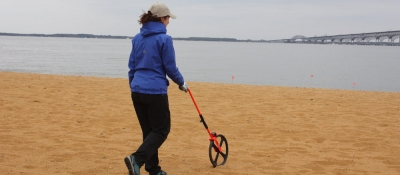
(76,125)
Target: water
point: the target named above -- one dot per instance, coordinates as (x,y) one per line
(373,68)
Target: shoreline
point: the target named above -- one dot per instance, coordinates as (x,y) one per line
(334,39)
(110,77)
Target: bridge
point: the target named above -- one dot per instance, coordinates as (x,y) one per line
(388,38)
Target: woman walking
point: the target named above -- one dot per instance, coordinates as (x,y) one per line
(152,59)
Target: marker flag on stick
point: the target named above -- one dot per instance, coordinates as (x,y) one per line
(312,77)
(233,77)
(354,84)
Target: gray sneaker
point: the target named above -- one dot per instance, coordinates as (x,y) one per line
(162,172)
(133,167)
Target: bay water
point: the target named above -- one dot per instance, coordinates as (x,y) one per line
(352,67)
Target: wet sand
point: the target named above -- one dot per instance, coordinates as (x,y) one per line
(52,124)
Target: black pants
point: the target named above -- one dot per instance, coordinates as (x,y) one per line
(154,117)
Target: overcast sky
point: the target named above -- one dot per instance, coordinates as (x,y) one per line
(240,19)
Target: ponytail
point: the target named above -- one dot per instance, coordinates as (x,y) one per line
(147,17)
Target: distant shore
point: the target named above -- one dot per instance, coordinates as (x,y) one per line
(128,37)
(290,41)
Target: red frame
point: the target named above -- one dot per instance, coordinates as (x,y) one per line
(213,136)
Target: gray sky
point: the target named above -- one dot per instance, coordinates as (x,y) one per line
(240,19)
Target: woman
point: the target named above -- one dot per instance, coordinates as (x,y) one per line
(151,59)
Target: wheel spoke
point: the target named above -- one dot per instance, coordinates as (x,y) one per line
(221,142)
(216,158)
(217,153)
(223,155)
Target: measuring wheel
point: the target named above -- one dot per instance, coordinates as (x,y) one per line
(218,154)
(218,150)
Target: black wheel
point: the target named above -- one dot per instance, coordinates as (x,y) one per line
(218,158)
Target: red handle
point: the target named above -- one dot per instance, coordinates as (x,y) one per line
(201,116)
(194,101)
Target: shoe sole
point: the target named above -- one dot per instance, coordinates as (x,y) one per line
(164,173)
(128,163)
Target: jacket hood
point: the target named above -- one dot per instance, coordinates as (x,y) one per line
(153,28)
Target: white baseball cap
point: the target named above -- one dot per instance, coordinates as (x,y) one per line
(159,9)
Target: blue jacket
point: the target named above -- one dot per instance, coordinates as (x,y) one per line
(151,59)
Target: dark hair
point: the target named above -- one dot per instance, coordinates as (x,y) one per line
(147,17)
